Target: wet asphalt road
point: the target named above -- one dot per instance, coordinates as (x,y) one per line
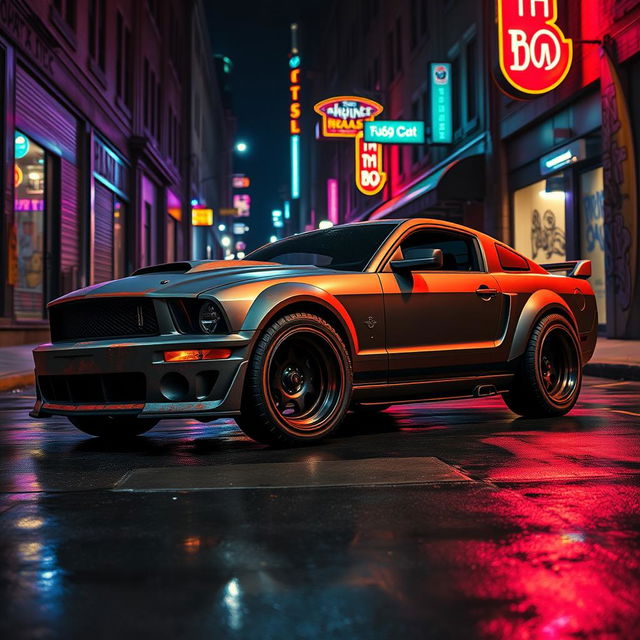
(444,520)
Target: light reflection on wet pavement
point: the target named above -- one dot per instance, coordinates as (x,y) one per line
(541,541)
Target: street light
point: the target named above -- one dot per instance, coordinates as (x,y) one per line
(242,147)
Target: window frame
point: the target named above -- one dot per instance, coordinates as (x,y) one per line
(385,263)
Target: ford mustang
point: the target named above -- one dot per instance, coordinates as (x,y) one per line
(358,316)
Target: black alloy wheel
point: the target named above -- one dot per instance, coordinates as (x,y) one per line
(549,376)
(298,384)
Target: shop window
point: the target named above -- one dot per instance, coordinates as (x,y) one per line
(118,239)
(592,234)
(29,224)
(539,222)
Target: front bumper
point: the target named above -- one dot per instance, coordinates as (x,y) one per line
(85,378)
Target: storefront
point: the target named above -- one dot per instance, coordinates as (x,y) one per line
(557,192)
(45,227)
(110,213)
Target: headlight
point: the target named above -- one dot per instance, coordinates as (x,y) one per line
(208,317)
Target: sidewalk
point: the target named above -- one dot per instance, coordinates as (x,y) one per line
(618,359)
(16,367)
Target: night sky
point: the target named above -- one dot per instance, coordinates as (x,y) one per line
(256,36)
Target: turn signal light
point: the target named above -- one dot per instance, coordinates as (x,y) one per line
(196,354)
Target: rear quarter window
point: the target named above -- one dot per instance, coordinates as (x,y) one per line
(510,260)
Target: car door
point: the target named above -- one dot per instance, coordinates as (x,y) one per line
(440,321)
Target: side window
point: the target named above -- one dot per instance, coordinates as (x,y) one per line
(459,251)
(510,260)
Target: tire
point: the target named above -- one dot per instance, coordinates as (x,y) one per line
(549,376)
(112,427)
(298,383)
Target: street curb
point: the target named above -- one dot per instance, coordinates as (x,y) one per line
(15,380)
(614,370)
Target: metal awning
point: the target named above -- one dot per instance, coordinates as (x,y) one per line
(460,178)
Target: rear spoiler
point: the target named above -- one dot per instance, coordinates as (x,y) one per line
(575,268)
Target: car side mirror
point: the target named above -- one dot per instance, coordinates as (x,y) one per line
(432,259)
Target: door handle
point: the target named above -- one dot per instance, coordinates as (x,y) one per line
(485,292)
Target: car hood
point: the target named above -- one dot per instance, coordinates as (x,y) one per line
(198,279)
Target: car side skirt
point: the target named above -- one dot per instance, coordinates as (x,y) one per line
(443,389)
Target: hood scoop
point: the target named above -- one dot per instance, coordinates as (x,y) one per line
(199,266)
(168,267)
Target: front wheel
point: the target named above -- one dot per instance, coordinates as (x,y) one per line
(298,384)
(112,427)
(549,375)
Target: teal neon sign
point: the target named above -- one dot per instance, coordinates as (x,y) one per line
(394,131)
(441,108)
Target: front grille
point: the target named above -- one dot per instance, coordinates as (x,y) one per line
(97,318)
(103,388)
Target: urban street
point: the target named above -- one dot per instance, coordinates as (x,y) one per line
(320,319)
(437,520)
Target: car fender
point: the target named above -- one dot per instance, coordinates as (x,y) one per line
(271,301)
(540,303)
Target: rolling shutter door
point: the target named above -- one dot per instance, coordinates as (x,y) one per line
(69,228)
(41,116)
(103,235)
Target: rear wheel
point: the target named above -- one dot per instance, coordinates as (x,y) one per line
(549,375)
(298,384)
(112,427)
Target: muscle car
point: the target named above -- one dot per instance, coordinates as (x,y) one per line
(287,341)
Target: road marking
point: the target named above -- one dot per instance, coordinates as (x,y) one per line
(312,473)
(627,413)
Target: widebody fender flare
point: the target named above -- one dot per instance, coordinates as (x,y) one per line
(272,301)
(540,303)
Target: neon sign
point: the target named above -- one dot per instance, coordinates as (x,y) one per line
(394,131)
(535,57)
(332,200)
(344,117)
(242,204)
(441,113)
(201,216)
(21,145)
(370,178)
(295,112)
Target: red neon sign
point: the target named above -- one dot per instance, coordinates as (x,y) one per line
(343,116)
(370,178)
(535,57)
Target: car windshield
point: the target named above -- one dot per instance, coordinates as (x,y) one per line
(345,248)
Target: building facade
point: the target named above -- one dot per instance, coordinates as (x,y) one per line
(212,130)
(502,171)
(97,162)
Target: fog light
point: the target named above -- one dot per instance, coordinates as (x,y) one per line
(196,354)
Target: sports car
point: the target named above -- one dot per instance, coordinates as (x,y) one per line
(354,317)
